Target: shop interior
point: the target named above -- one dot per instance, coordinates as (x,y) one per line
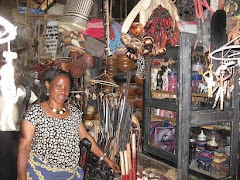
(157,80)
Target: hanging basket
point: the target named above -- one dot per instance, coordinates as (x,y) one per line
(75,15)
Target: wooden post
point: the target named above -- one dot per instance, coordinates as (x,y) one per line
(184,94)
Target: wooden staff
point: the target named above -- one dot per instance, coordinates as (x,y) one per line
(129,157)
(123,172)
(134,155)
(126,164)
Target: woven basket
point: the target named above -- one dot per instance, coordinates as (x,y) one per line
(75,15)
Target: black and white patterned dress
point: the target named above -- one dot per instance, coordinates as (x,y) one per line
(56,140)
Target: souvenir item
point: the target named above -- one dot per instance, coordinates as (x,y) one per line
(202,136)
(186,10)
(147,45)
(88,61)
(162,29)
(139,91)
(75,15)
(138,80)
(137,29)
(126,38)
(76,66)
(64,64)
(110,62)
(222,74)
(145,8)
(139,103)
(94,47)
(125,64)
(111,70)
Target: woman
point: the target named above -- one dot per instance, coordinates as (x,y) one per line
(50,135)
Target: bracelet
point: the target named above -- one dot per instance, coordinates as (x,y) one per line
(102,157)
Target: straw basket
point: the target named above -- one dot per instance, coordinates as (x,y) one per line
(75,15)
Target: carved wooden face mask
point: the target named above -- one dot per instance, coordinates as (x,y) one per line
(134,49)
(147,45)
(126,38)
(137,29)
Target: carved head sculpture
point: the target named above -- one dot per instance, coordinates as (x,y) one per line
(147,45)
(137,29)
(126,38)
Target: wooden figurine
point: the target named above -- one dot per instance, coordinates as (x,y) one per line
(221,84)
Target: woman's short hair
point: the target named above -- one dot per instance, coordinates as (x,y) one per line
(49,77)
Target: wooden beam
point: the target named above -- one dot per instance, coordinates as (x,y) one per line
(45,4)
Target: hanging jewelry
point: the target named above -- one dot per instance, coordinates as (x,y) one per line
(141,69)
(56,111)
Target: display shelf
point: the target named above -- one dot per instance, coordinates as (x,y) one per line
(208,174)
(189,114)
(159,118)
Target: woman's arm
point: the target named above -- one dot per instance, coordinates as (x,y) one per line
(26,136)
(96,149)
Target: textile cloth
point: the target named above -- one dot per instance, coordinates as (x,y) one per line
(37,169)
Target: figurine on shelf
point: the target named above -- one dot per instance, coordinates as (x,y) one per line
(208,77)
(221,85)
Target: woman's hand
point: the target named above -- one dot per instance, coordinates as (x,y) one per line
(113,165)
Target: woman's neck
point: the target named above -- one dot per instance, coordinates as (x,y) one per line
(57,106)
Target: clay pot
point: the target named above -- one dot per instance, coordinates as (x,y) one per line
(88,61)
(139,103)
(137,29)
(138,81)
(111,70)
(110,62)
(125,64)
(131,89)
(139,91)
(121,77)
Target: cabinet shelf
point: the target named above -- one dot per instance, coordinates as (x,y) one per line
(162,103)
(208,174)
(159,118)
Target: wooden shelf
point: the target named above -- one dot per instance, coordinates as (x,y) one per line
(175,93)
(216,127)
(159,118)
(207,173)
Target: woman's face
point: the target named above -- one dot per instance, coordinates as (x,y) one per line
(59,88)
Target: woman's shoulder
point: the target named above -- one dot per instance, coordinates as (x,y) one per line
(35,106)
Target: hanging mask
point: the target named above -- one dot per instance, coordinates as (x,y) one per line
(125,39)
(147,45)
(137,29)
